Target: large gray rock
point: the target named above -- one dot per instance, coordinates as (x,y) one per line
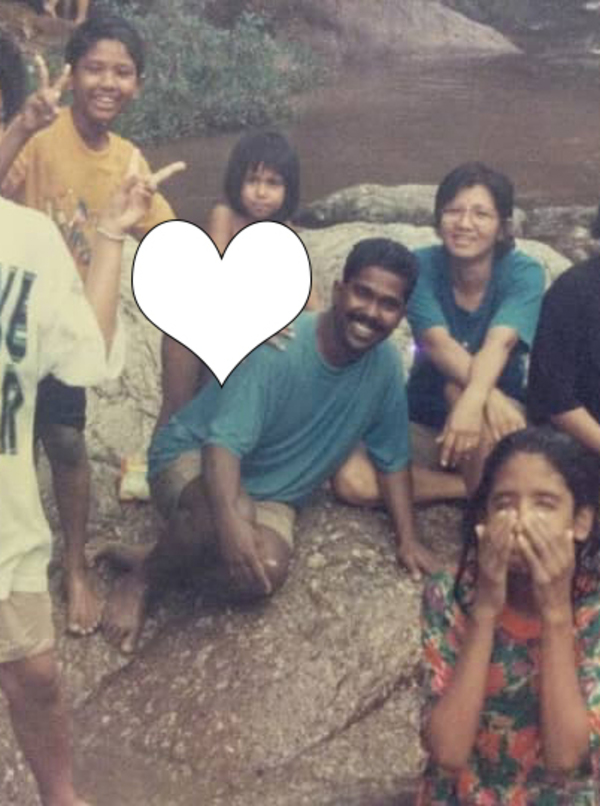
(283,698)
(566,228)
(410,204)
(359,31)
(309,699)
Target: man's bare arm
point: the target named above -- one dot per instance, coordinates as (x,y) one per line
(233,515)
(396,489)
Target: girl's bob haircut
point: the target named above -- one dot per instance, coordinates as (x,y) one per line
(271,150)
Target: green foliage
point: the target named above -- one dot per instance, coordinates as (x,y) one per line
(202,78)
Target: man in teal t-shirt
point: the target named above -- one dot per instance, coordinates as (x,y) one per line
(229,468)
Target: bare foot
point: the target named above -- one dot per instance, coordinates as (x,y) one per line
(125,611)
(84,605)
(121,556)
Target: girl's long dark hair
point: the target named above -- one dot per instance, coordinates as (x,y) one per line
(580,469)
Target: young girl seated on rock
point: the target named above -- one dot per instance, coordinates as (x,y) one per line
(262,183)
(512,643)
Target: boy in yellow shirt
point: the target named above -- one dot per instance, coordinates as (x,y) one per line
(68,163)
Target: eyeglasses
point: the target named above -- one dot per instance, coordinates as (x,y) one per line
(478,215)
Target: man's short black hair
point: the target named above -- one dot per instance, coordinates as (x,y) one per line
(273,150)
(99,27)
(13,78)
(390,255)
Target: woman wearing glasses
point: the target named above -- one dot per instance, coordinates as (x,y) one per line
(473,316)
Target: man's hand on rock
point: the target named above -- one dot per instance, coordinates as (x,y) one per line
(241,556)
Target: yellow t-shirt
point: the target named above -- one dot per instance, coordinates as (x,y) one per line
(56,172)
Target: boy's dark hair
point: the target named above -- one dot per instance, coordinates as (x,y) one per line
(595,227)
(13,79)
(272,150)
(388,254)
(99,27)
(580,471)
(468,175)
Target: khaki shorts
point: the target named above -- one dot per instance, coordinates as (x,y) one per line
(26,627)
(424,448)
(166,489)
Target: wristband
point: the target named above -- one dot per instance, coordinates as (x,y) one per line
(110,235)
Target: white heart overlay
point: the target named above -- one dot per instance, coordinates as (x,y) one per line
(221,309)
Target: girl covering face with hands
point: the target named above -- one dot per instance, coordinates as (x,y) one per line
(512,643)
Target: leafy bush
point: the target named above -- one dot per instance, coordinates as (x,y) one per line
(200,77)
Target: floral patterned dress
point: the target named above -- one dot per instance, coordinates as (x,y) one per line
(506,767)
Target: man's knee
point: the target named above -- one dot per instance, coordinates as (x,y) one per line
(31,681)
(356,483)
(64,445)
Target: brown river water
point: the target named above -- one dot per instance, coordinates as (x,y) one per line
(410,122)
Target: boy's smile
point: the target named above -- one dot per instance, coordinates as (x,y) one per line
(104,81)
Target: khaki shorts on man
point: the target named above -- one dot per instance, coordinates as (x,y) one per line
(167,487)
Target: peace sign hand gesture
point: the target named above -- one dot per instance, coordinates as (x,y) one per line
(41,107)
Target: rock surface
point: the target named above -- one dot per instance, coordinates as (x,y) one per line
(357,31)
(410,204)
(564,228)
(311,698)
